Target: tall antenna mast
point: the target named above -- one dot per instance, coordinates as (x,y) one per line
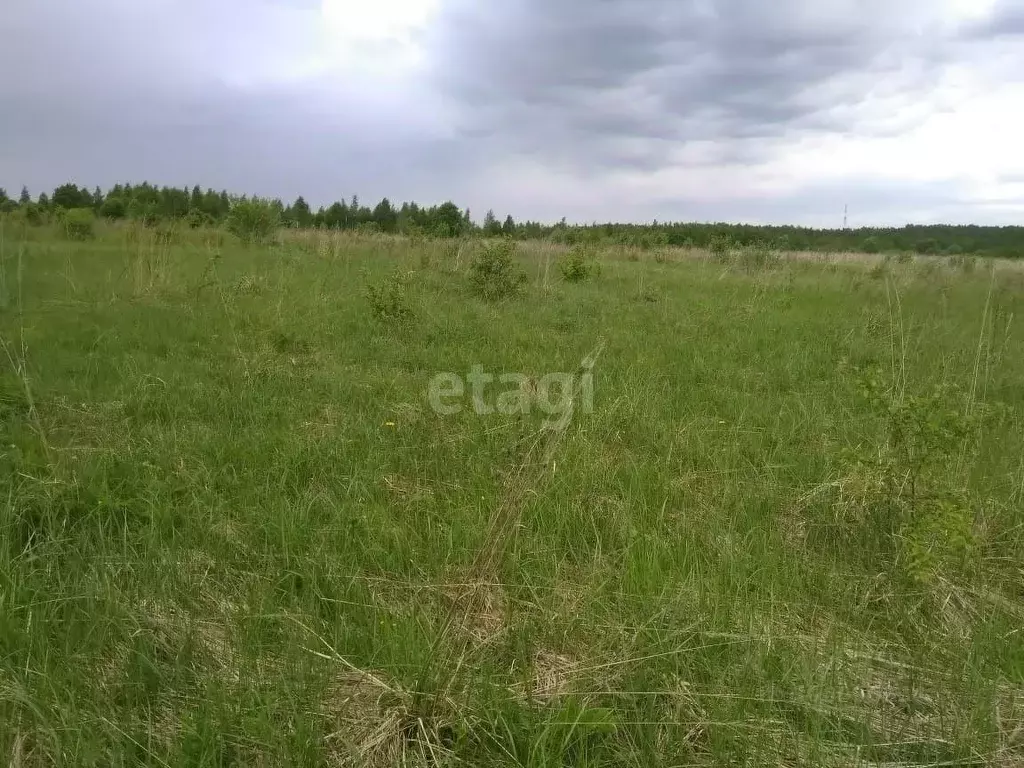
(846,215)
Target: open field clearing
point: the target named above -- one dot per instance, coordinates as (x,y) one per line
(788,529)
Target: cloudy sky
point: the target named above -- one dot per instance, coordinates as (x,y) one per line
(731,110)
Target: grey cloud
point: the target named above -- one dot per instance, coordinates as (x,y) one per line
(534,75)
(115,92)
(267,143)
(589,92)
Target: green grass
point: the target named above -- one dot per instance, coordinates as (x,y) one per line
(234,533)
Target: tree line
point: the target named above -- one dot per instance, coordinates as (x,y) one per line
(197,207)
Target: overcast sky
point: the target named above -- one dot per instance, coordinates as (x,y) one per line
(726,110)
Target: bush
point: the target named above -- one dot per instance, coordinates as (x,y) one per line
(147,214)
(113,208)
(871,245)
(493,273)
(32,214)
(79,224)
(720,247)
(578,265)
(254,221)
(388,300)
(908,486)
(197,219)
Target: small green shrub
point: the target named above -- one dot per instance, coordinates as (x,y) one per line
(32,214)
(79,224)
(114,208)
(197,219)
(720,248)
(577,265)
(254,220)
(389,300)
(908,488)
(494,274)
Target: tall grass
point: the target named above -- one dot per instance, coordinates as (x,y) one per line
(233,531)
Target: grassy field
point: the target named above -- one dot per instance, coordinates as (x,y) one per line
(790,530)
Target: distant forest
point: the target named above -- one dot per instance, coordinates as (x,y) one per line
(198,208)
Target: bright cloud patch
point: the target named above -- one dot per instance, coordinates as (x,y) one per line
(377,20)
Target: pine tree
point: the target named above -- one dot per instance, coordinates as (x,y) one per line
(491,225)
(385,217)
(25,198)
(300,212)
(336,216)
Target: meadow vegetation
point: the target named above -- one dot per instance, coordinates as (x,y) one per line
(233,532)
